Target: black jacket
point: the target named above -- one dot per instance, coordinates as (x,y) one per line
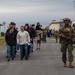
(33,31)
(15,31)
(38,28)
(10,39)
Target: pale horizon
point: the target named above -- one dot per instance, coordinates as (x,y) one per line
(33,11)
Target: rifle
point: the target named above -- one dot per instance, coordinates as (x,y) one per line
(69,37)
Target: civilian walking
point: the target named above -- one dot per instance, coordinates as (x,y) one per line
(23,39)
(10,40)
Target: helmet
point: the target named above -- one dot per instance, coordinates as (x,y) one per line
(66,19)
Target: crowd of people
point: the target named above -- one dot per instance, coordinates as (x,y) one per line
(53,33)
(22,39)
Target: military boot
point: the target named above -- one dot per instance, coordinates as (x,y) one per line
(65,64)
(70,65)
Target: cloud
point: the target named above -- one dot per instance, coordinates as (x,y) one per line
(35,10)
(69,0)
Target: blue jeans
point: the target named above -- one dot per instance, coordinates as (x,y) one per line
(10,51)
(24,51)
(31,47)
(17,47)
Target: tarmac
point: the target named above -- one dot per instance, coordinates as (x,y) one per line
(46,61)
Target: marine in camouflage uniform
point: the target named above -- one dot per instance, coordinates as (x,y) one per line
(56,36)
(44,36)
(66,39)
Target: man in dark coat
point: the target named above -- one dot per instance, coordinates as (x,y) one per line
(10,41)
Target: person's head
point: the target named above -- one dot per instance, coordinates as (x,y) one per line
(12,25)
(22,28)
(26,26)
(11,30)
(16,28)
(33,26)
(67,21)
(38,23)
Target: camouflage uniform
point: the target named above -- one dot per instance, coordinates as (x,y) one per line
(66,37)
(44,36)
(56,36)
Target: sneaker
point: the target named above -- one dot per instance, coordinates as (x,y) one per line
(33,50)
(26,58)
(36,48)
(6,56)
(21,59)
(39,48)
(8,60)
(12,58)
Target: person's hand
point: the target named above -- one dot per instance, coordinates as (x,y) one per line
(35,41)
(28,43)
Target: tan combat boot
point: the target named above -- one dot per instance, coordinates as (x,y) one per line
(65,65)
(70,65)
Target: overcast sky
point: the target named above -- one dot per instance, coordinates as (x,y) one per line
(32,11)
